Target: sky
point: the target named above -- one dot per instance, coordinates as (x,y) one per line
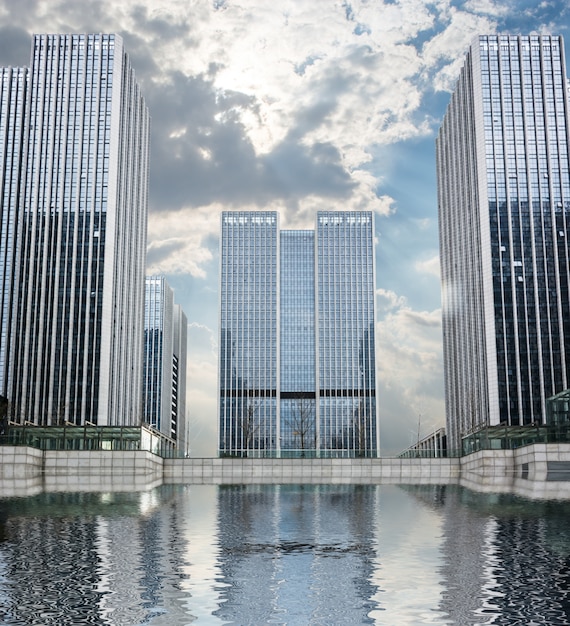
(296,106)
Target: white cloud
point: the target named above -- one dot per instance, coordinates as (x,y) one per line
(410,373)
(388,300)
(203,339)
(348,74)
(448,47)
(429,266)
(177,241)
(489,7)
(201,405)
(201,390)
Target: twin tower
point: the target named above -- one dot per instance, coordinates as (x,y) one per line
(297,355)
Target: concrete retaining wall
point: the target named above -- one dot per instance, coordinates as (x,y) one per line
(489,463)
(20,462)
(101,462)
(539,462)
(543,462)
(310,470)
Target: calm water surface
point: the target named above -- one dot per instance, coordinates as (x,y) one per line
(285,554)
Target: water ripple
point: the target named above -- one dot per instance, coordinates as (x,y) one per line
(289,554)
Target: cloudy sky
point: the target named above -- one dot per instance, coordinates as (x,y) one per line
(296,106)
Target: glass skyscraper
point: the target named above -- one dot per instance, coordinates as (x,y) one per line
(74,140)
(504,211)
(297,358)
(13,93)
(164,379)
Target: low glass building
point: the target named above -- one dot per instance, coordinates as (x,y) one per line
(111,438)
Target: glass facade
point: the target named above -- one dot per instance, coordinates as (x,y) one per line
(178,423)
(13,91)
(297,357)
(504,203)
(164,376)
(249,347)
(346,354)
(81,206)
(158,307)
(297,342)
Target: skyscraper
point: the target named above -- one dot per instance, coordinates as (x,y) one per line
(504,213)
(179,426)
(13,92)
(75,141)
(297,357)
(165,341)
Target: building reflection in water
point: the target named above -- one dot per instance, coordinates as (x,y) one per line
(91,558)
(284,554)
(506,559)
(300,554)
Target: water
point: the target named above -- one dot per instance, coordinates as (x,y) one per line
(289,554)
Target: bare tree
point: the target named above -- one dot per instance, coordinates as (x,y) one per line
(359,429)
(4,408)
(248,427)
(302,422)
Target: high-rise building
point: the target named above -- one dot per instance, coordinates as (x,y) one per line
(13,92)
(179,426)
(297,357)
(165,348)
(74,140)
(504,214)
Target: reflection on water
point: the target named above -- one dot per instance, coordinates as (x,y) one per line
(507,561)
(298,554)
(284,554)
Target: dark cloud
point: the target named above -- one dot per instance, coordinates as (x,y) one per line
(15,45)
(83,17)
(162,27)
(313,116)
(201,153)
(142,60)
(297,171)
(25,9)
(149,34)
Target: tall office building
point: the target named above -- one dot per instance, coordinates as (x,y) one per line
(179,425)
(13,92)
(74,140)
(504,211)
(297,357)
(165,348)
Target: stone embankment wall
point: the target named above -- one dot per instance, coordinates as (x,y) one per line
(539,462)
(310,470)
